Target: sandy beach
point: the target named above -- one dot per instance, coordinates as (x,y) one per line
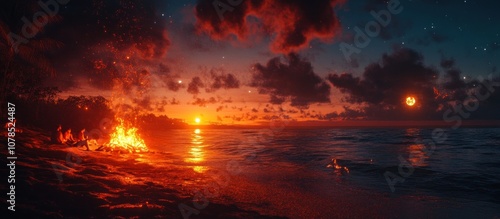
(57,181)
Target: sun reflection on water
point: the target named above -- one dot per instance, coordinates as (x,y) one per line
(196,151)
(417,155)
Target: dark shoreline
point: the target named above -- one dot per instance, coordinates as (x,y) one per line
(39,193)
(361,124)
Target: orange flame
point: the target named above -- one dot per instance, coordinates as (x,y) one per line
(124,138)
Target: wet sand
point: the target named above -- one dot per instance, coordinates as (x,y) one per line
(57,181)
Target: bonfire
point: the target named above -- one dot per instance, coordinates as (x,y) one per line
(125,139)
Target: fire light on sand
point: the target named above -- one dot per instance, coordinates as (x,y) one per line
(126,139)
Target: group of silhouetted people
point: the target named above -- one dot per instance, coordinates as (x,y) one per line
(66,137)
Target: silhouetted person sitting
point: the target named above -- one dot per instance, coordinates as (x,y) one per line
(57,136)
(68,137)
(82,140)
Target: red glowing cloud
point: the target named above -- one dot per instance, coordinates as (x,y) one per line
(291,24)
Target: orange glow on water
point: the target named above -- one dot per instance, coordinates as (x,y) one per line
(196,152)
(417,155)
(126,138)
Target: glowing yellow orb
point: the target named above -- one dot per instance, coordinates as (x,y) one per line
(410,101)
(197,120)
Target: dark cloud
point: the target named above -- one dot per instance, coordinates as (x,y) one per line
(170,79)
(293,24)
(195,85)
(453,85)
(328,116)
(212,100)
(380,92)
(385,85)
(215,79)
(222,100)
(349,113)
(483,92)
(160,104)
(253,117)
(219,108)
(293,80)
(292,111)
(174,102)
(202,102)
(140,105)
(221,80)
(282,118)
(488,108)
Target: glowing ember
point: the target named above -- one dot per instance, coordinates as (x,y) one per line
(126,139)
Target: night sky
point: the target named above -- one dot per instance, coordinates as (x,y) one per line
(266,59)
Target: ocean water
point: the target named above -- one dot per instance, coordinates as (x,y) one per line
(461,174)
(267,173)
